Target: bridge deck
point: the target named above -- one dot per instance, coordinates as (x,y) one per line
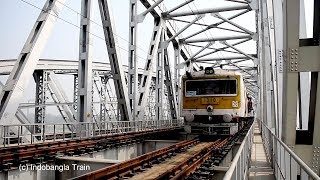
(260,167)
(161,168)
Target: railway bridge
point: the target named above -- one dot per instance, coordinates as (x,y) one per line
(92,89)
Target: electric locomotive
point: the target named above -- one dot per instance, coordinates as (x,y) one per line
(213,102)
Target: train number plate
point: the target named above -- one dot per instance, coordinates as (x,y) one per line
(209,100)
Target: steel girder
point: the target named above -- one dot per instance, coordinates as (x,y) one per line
(84,106)
(66,110)
(132,59)
(27,61)
(23,119)
(146,78)
(205,11)
(171,93)
(41,80)
(177,78)
(160,78)
(60,66)
(298,56)
(215,25)
(114,58)
(266,59)
(156,13)
(100,83)
(290,77)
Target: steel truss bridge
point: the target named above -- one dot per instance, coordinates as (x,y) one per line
(279,60)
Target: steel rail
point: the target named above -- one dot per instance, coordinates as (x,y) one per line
(133,164)
(198,161)
(178,172)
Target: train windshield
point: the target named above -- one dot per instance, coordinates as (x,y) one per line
(212,87)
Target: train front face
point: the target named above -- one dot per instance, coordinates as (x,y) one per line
(212,101)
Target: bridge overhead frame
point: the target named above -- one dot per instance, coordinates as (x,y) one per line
(161,73)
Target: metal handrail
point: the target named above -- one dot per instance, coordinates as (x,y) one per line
(77,123)
(236,158)
(303,165)
(78,129)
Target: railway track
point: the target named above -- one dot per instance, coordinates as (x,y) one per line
(11,157)
(190,159)
(172,162)
(205,168)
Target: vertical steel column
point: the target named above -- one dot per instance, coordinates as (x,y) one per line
(103,106)
(85,65)
(132,58)
(115,61)
(19,77)
(290,75)
(260,51)
(40,78)
(177,76)
(160,78)
(148,69)
(267,81)
(278,26)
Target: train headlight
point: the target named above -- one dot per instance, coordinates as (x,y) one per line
(208,70)
(209,108)
(227,117)
(235,104)
(189,117)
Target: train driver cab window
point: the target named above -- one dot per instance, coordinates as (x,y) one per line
(212,87)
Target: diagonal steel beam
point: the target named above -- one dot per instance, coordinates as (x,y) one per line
(141,16)
(170,86)
(67,111)
(115,62)
(212,52)
(182,29)
(26,63)
(148,70)
(222,48)
(156,13)
(217,24)
(217,15)
(238,50)
(179,6)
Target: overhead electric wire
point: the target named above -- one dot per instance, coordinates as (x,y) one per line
(99,25)
(75,25)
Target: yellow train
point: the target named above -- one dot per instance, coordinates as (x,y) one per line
(214,101)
